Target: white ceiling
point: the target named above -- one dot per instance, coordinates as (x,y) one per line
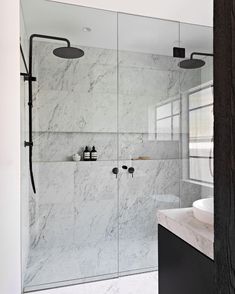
(135,33)
(189,11)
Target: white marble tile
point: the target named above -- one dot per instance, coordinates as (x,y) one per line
(86,227)
(54,146)
(155,185)
(77,214)
(183,224)
(53,227)
(96,205)
(135,145)
(66,263)
(149,83)
(93,72)
(54,182)
(83,78)
(68,111)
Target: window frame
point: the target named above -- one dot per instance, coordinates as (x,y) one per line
(192,91)
(171,116)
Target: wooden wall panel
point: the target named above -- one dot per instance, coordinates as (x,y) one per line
(224,132)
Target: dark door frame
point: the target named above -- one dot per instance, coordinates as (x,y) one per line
(224,132)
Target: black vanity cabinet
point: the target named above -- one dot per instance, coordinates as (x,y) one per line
(182,268)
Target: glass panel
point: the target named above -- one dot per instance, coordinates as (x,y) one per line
(83,226)
(176,107)
(164,129)
(176,127)
(148,85)
(164,111)
(201,98)
(197,116)
(203,149)
(74,221)
(201,169)
(201,122)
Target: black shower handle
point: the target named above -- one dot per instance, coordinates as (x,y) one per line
(115,171)
(131,170)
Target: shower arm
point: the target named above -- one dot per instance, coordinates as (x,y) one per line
(201,54)
(29,77)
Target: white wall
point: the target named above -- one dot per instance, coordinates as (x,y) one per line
(24,152)
(10,148)
(191,11)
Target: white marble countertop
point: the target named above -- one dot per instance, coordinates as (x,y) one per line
(183,224)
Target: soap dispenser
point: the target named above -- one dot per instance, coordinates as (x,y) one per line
(93,154)
(86,154)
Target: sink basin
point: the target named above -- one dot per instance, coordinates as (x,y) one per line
(203,210)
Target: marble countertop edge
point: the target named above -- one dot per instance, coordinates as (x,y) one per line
(183,224)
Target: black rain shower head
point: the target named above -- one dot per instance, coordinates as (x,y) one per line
(193,63)
(68,52)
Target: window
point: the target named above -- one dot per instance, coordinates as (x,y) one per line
(168,121)
(201,135)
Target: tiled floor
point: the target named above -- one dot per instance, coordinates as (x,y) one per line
(135,284)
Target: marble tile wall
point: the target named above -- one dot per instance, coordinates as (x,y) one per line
(77,216)
(74,221)
(80,97)
(83,221)
(155,185)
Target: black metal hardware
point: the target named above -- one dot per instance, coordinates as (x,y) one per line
(131,170)
(29,78)
(179,52)
(27,144)
(115,171)
(25,64)
(124,167)
(201,54)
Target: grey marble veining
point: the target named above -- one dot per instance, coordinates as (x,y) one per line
(153,186)
(53,146)
(147,82)
(77,226)
(63,111)
(60,146)
(75,217)
(85,222)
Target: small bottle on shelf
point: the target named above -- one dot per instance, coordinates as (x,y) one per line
(86,154)
(93,154)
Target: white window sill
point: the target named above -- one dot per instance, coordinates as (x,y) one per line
(198,183)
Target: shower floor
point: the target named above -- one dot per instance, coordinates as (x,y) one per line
(146,283)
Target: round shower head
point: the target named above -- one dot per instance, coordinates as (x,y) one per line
(68,52)
(191,63)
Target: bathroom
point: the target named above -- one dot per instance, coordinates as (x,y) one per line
(121,165)
(150,122)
